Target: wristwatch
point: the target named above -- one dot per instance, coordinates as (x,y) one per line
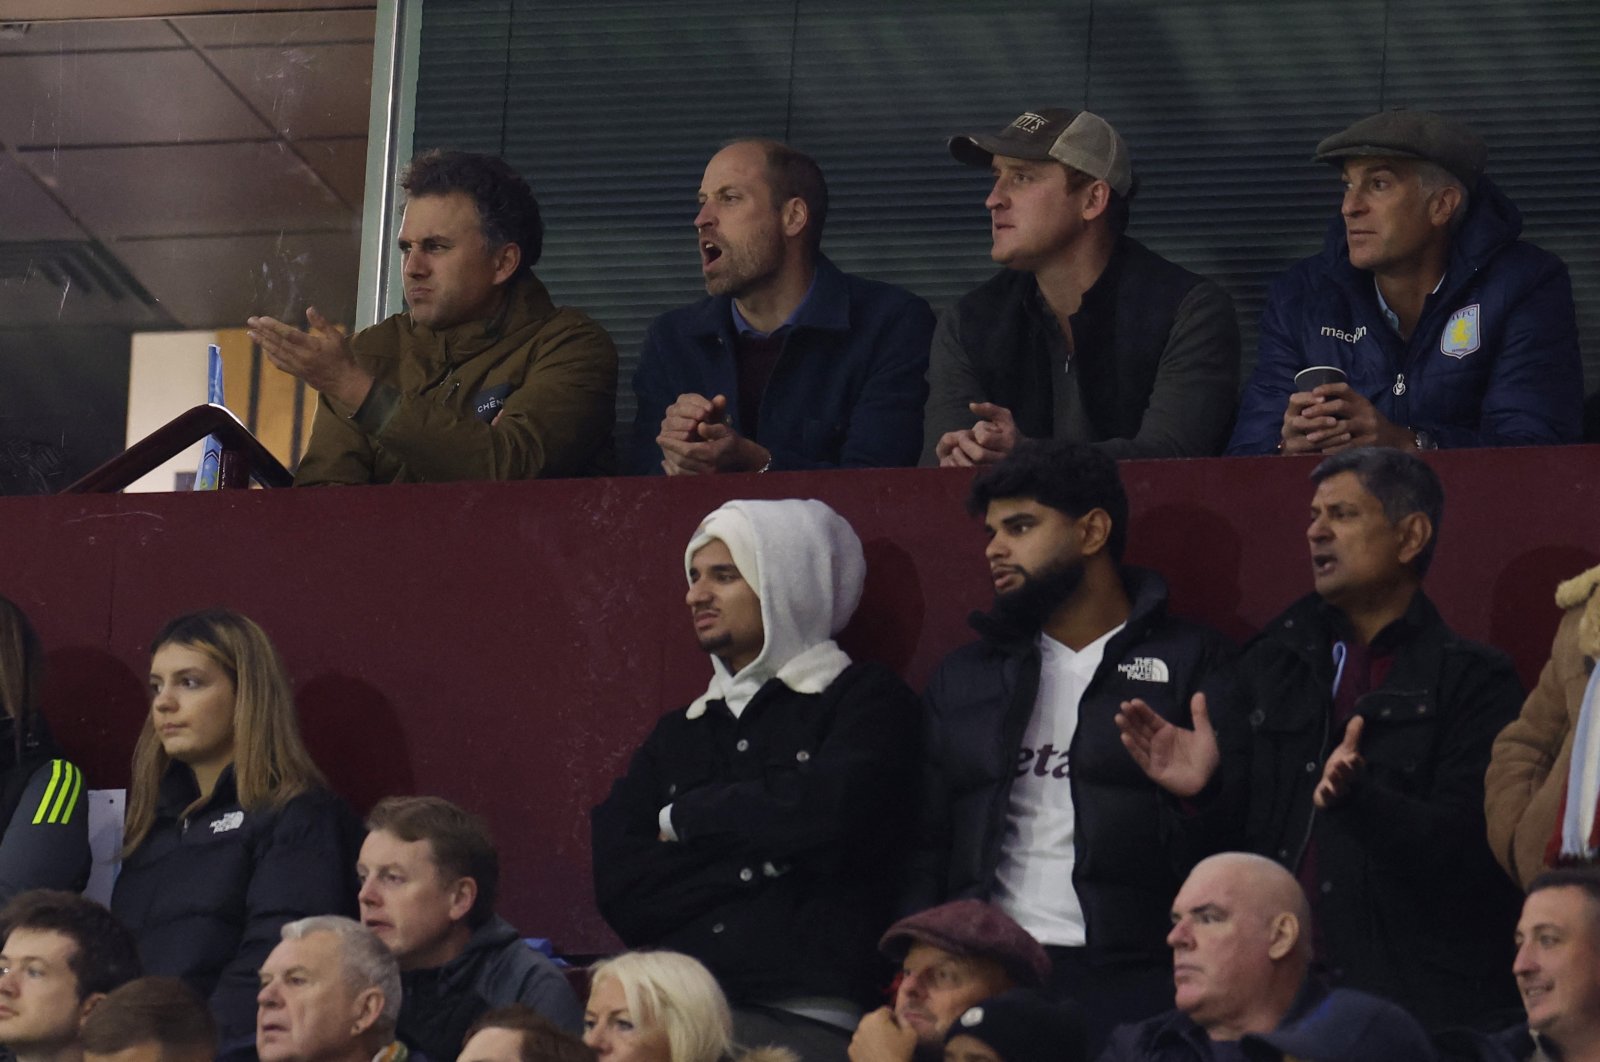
(1423,440)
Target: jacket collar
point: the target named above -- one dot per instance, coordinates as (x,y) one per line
(1147,603)
(1101,298)
(179,789)
(526,302)
(493,935)
(1100,301)
(1311,623)
(828,308)
(1178,1026)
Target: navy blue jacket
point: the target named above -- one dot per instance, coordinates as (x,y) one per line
(847,391)
(1493,360)
(1175,1037)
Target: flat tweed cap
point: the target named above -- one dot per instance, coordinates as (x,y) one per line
(1406,134)
(972,929)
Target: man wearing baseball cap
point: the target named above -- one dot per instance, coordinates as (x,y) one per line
(1085,334)
(951,957)
(1449,329)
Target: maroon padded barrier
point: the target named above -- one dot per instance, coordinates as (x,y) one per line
(507,645)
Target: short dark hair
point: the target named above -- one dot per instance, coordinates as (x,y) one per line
(542,1041)
(1071,477)
(462,846)
(793,174)
(507,210)
(1118,208)
(105,956)
(1585,878)
(160,1010)
(1402,482)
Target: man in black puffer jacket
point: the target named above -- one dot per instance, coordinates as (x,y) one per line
(1030,800)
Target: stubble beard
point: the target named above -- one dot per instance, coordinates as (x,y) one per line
(746,267)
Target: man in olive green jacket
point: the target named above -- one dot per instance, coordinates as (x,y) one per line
(484,378)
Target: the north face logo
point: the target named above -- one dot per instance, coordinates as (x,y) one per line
(1145,669)
(231,821)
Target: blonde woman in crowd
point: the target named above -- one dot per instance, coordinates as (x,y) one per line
(660,1006)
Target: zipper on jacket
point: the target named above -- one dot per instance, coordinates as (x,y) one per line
(1399,387)
(442,379)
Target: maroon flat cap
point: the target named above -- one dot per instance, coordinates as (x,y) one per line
(972,929)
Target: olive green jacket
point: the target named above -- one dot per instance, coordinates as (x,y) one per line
(530,392)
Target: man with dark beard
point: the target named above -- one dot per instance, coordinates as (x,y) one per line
(789,363)
(1030,800)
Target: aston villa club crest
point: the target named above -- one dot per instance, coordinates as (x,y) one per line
(1461,336)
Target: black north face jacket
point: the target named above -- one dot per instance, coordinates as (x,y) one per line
(205,895)
(1134,842)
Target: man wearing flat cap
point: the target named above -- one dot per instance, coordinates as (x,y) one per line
(951,957)
(1447,328)
(1085,334)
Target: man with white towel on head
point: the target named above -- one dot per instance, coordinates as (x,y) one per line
(758,828)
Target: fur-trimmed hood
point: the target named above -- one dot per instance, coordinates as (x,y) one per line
(1576,591)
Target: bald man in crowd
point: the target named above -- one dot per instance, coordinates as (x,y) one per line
(1241,948)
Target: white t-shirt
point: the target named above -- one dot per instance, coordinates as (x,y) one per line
(1034,879)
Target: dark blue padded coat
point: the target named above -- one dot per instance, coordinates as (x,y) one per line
(847,391)
(1493,360)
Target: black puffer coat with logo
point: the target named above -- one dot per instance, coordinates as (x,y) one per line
(206,895)
(1134,842)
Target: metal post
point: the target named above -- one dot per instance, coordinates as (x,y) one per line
(389,138)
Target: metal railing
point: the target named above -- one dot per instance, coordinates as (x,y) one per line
(243,457)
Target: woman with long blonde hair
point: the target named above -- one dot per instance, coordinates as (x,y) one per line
(231,829)
(43,802)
